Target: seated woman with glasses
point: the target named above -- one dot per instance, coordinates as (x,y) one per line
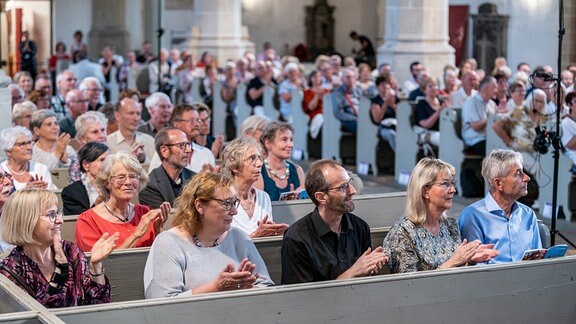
(55,272)
(426,238)
(119,180)
(278,174)
(242,161)
(16,142)
(203,252)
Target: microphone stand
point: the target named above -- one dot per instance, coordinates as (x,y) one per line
(556,137)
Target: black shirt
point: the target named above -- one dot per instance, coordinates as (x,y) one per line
(313,252)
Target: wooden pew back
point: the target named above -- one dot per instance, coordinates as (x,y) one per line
(125,268)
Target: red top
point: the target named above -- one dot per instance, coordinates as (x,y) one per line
(54,59)
(308,96)
(90,227)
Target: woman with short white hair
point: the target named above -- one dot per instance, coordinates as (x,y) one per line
(288,87)
(16,142)
(90,127)
(22,113)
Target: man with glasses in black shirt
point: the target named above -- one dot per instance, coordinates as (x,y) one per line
(330,242)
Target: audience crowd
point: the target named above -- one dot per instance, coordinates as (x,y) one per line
(137,142)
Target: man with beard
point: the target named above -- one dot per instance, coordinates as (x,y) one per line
(185,118)
(330,242)
(499,218)
(166,181)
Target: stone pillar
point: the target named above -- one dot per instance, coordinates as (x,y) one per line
(416,30)
(108,27)
(219,30)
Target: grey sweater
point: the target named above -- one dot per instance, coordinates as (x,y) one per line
(176,266)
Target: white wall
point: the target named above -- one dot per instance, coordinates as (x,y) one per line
(69,16)
(532,29)
(283,22)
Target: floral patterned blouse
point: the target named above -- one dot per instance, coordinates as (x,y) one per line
(413,248)
(78,289)
(522,129)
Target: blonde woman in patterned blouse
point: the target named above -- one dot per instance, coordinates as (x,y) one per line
(426,239)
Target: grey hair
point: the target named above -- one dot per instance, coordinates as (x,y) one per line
(128,161)
(84,84)
(60,76)
(81,123)
(253,123)
(20,90)
(153,99)
(529,102)
(235,152)
(498,164)
(8,136)
(39,116)
(22,108)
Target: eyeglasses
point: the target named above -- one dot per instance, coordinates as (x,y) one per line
(22,144)
(228,204)
(121,178)
(446,185)
(85,101)
(190,121)
(181,145)
(205,120)
(53,214)
(94,89)
(343,188)
(253,158)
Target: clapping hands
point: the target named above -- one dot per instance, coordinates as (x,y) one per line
(267,227)
(242,278)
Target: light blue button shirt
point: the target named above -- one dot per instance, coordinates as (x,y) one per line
(486,221)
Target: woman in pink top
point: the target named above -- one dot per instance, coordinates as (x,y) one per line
(119,180)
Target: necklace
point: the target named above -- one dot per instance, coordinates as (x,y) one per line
(18,173)
(272,172)
(123,219)
(198,244)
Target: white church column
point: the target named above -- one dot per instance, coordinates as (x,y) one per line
(416,30)
(218,29)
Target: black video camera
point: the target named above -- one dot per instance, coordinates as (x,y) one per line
(543,139)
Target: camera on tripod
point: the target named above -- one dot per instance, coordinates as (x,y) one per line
(543,139)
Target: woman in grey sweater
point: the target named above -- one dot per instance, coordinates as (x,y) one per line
(202,253)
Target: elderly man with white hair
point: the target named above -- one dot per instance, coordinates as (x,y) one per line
(499,218)
(65,82)
(346,101)
(160,109)
(93,91)
(77,104)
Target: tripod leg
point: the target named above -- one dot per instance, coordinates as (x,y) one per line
(566,239)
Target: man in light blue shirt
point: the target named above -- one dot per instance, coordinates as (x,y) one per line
(498,218)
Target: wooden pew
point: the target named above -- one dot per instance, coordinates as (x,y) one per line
(60,177)
(545,183)
(125,268)
(218,110)
(242,106)
(451,144)
(378,210)
(300,124)
(367,138)
(330,130)
(405,157)
(529,292)
(269,110)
